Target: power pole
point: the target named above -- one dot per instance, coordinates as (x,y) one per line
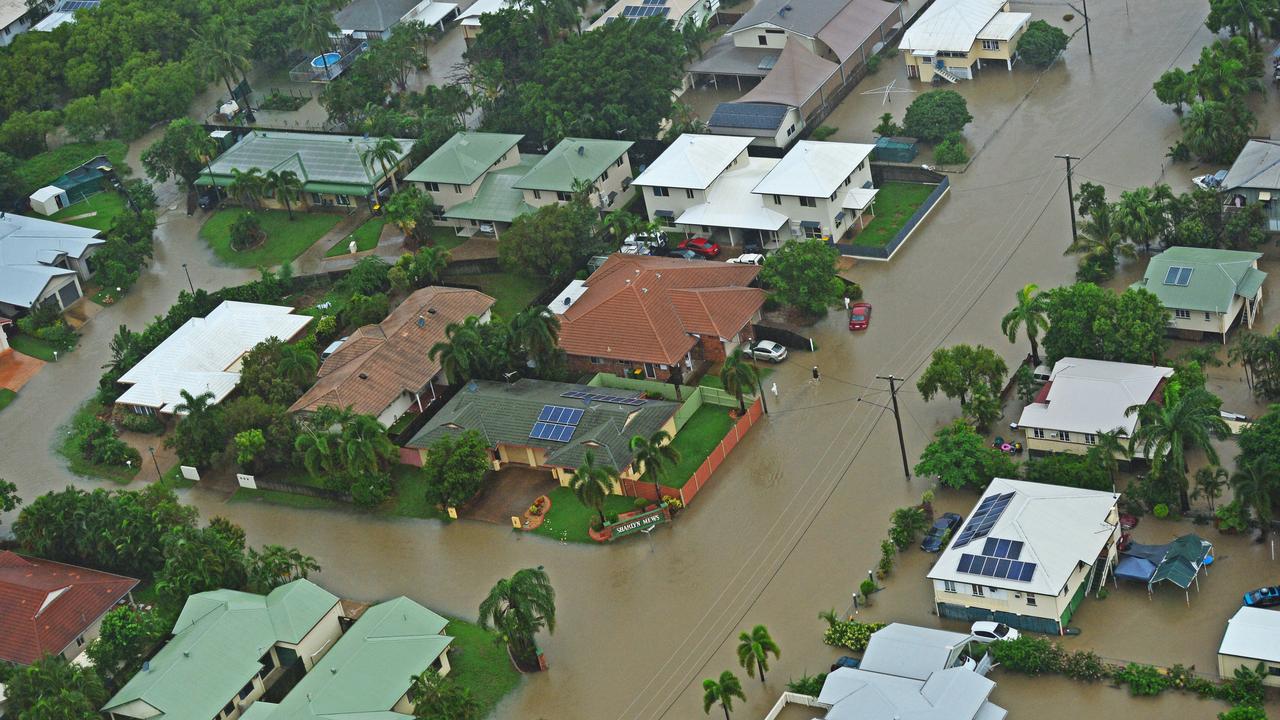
(1071,203)
(902,445)
(1087,40)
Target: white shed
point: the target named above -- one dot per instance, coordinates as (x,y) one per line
(49,200)
(1252,637)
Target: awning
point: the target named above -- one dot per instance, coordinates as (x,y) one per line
(664,213)
(219,180)
(810,224)
(859,198)
(336,188)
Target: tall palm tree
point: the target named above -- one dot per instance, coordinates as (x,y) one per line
(385,151)
(1209,484)
(654,456)
(536,331)
(1112,449)
(721,691)
(246,186)
(459,351)
(123,345)
(297,363)
(592,483)
(194,406)
(1141,216)
(1256,484)
(315,29)
(1166,432)
(621,224)
(739,375)
(1030,312)
(285,185)
(429,264)
(1100,237)
(754,649)
(319,440)
(365,447)
(224,51)
(519,607)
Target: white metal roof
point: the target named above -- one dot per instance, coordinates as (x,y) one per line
(46,193)
(471,16)
(911,651)
(1086,396)
(813,169)
(1004,26)
(28,245)
(1253,633)
(1060,528)
(567,297)
(950,25)
(204,354)
(858,198)
(952,694)
(731,203)
(693,161)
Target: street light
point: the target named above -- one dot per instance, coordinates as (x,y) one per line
(159,474)
(189,283)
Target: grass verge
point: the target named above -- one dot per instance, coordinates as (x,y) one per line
(76,463)
(273,497)
(6,397)
(366,237)
(696,440)
(512,292)
(894,205)
(410,499)
(569,518)
(480,664)
(107,205)
(173,479)
(35,347)
(285,240)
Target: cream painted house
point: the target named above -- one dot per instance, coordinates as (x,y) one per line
(1207,291)
(454,173)
(1027,555)
(1252,637)
(952,38)
(823,188)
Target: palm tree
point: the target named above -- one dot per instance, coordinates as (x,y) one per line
(1112,449)
(1209,484)
(385,151)
(1031,313)
(721,691)
(319,448)
(592,483)
(739,375)
(297,363)
(620,224)
(315,30)
(753,651)
(654,456)
(285,185)
(459,351)
(1255,485)
(365,446)
(536,331)
(1166,432)
(1140,216)
(123,345)
(694,34)
(519,607)
(429,264)
(1100,237)
(246,186)
(194,406)
(224,51)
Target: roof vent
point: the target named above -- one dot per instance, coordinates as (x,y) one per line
(568,302)
(146,666)
(431,311)
(364,376)
(422,321)
(582,150)
(511,377)
(333,670)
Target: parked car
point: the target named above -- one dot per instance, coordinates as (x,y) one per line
(753,245)
(860,316)
(985,631)
(769,350)
(748,259)
(684,253)
(487,229)
(1210,182)
(637,244)
(845,662)
(1128,522)
(702,246)
(1263,597)
(946,523)
(332,348)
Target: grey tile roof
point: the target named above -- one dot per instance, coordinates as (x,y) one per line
(1257,166)
(805,17)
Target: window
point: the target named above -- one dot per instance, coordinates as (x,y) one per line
(537,194)
(230,708)
(317,199)
(1064,436)
(604,176)
(1037,433)
(833,197)
(1273,670)
(80,641)
(777,199)
(839,222)
(1182,314)
(809,202)
(1090,439)
(620,159)
(244,691)
(978,591)
(1031,599)
(563,196)
(597,361)
(759,38)
(342,199)
(864,162)
(661,192)
(457,188)
(791,130)
(948,586)
(688,193)
(990,44)
(1207,318)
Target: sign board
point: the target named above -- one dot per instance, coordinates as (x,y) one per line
(246,481)
(638,523)
(515,522)
(453,513)
(189,473)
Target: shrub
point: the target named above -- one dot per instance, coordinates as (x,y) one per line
(1143,680)
(1245,688)
(1160,511)
(908,523)
(98,444)
(1243,712)
(807,684)
(850,634)
(887,552)
(887,127)
(141,423)
(852,290)
(1231,517)
(1041,43)
(934,114)
(873,64)
(823,132)
(950,152)
(370,489)
(1084,665)
(867,587)
(1028,655)
(246,232)
(59,334)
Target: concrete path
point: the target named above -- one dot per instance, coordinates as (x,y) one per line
(312,259)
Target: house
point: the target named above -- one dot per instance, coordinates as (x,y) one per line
(15,19)
(907,672)
(368,672)
(62,13)
(471,18)
(951,38)
(1206,289)
(1255,178)
(1085,397)
(204,355)
(332,168)
(677,12)
(823,188)
(601,164)
(383,370)
(49,608)
(373,19)
(1027,555)
(43,261)
(1252,637)
(643,315)
(549,425)
(768,124)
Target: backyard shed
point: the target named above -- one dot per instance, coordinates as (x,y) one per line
(1252,637)
(895,149)
(49,200)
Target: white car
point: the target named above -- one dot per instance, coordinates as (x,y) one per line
(643,244)
(748,259)
(486,228)
(985,631)
(769,350)
(1210,182)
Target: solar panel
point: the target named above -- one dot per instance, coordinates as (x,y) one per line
(554,432)
(983,519)
(1179,276)
(995,567)
(593,397)
(1184,278)
(655,2)
(632,11)
(559,414)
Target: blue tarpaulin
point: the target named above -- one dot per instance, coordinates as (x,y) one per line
(1135,568)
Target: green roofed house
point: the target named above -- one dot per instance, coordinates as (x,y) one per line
(333,168)
(229,648)
(1206,289)
(603,163)
(551,425)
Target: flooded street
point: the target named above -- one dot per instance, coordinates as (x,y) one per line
(794,519)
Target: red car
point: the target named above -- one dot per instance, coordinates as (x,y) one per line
(859,316)
(704,247)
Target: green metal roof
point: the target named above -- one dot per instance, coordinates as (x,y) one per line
(573,159)
(218,641)
(219,180)
(368,669)
(313,157)
(505,414)
(337,188)
(464,158)
(497,198)
(1217,276)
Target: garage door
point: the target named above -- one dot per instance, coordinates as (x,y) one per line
(68,294)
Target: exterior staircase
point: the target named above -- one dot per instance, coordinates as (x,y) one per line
(945,74)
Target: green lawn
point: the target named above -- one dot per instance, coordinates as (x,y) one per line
(569,518)
(273,497)
(513,292)
(446,238)
(35,347)
(480,664)
(34,173)
(894,205)
(285,240)
(6,397)
(173,479)
(410,499)
(366,237)
(106,204)
(696,440)
(70,451)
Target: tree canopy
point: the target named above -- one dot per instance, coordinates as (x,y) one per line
(1087,321)
(1041,43)
(960,458)
(959,370)
(935,114)
(552,242)
(455,468)
(802,274)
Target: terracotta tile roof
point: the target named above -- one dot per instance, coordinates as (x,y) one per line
(45,605)
(379,362)
(644,308)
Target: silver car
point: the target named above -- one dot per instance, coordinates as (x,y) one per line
(769,350)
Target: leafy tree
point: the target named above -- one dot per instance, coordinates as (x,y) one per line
(1165,432)
(740,376)
(956,371)
(518,607)
(802,275)
(552,241)
(182,152)
(1087,321)
(386,152)
(198,560)
(1260,357)
(455,468)
(754,649)
(410,211)
(1217,131)
(276,565)
(200,436)
(366,309)
(984,406)
(1253,17)
(951,150)
(54,689)
(592,483)
(400,54)
(934,114)
(960,458)
(1069,470)
(654,457)
(248,443)
(275,372)
(1041,43)
(441,698)
(1029,314)
(9,500)
(1256,486)
(224,50)
(1209,482)
(285,186)
(423,268)
(722,691)
(25,132)
(125,637)
(1174,88)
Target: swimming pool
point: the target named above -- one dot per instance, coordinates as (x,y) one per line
(329,59)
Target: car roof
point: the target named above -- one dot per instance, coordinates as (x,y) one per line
(769,343)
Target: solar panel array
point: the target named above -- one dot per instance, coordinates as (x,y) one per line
(751,116)
(655,2)
(593,397)
(996,567)
(1180,276)
(984,517)
(554,432)
(1011,549)
(558,414)
(640,11)
(73,5)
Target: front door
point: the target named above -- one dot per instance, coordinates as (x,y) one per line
(650,372)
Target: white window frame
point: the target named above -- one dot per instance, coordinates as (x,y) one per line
(1064,436)
(978,591)
(1031,599)
(660,191)
(1182,314)
(990,44)
(1090,439)
(1037,433)
(949,586)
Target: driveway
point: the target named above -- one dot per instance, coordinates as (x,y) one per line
(509,492)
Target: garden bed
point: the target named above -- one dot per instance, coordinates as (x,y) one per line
(366,237)
(68,447)
(286,239)
(570,520)
(894,205)
(6,397)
